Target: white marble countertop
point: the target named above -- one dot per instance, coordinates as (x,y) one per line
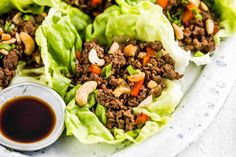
(219,139)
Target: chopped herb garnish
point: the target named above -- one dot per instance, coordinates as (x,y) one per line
(1,56)
(26,17)
(7,47)
(184,2)
(196,13)
(159,53)
(8,27)
(199,54)
(107,71)
(132,71)
(175,18)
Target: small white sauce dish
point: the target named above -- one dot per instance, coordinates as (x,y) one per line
(47,95)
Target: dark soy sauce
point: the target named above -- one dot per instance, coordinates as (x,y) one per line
(26,119)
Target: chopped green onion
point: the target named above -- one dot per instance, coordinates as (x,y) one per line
(196,13)
(1,56)
(7,47)
(175,18)
(8,27)
(185,2)
(26,17)
(132,71)
(199,54)
(159,53)
(107,71)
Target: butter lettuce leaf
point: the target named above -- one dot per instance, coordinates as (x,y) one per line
(89,128)
(27,6)
(144,21)
(59,40)
(226,10)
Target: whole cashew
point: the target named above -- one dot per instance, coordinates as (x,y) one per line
(84,91)
(121,90)
(114,47)
(178,31)
(28,42)
(195,2)
(93,58)
(210,26)
(17,18)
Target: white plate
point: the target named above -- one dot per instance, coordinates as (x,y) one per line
(206,91)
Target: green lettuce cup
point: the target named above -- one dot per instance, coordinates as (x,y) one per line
(200,25)
(60,38)
(56,39)
(118,24)
(19,22)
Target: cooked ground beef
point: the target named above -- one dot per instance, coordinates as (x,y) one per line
(12,52)
(119,108)
(195,35)
(90,7)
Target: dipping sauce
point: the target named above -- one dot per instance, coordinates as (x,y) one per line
(26,119)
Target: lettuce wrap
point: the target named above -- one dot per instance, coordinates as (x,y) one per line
(225,10)
(144,22)
(60,37)
(21,19)
(88,127)
(26,6)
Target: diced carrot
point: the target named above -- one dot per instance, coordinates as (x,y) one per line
(187,16)
(191,6)
(95,69)
(146,60)
(96,2)
(78,55)
(151,52)
(141,119)
(188,13)
(137,87)
(162,3)
(216,29)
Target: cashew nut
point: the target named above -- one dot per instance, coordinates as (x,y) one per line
(151,84)
(121,90)
(18,38)
(17,18)
(28,42)
(141,55)
(6,37)
(178,31)
(1,31)
(84,91)
(210,26)
(4,52)
(146,101)
(195,2)
(11,41)
(44,14)
(37,58)
(136,77)
(130,50)
(203,6)
(93,58)
(114,47)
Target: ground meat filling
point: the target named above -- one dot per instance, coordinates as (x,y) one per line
(153,66)
(91,7)
(12,47)
(194,23)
